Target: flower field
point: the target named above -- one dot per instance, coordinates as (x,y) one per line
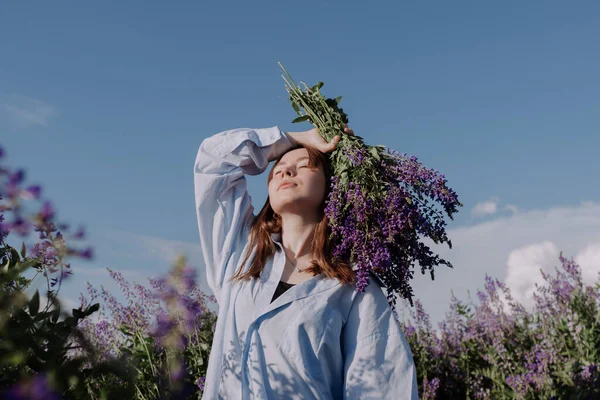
(155,344)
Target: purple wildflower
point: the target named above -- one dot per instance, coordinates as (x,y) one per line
(376,225)
(80,234)
(20,226)
(32,192)
(87,253)
(430,388)
(16,177)
(35,388)
(47,211)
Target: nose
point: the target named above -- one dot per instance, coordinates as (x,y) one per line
(286,171)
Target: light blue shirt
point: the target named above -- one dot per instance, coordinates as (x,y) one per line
(320,339)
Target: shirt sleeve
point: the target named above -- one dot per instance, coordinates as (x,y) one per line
(378,362)
(223,205)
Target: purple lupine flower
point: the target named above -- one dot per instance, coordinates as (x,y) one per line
(184,310)
(385,220)
(80,234)
(46,253)
(409,330)
(16,178)
(20,226)
(378,200)
(589,376)
(356,156)
(518,384)
(87,253)
(430,388)
(34,388)
(47,211)
(32,192)
(200,382)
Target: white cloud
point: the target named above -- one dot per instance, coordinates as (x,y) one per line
(22,111)
(589,261)
(488,207)
(486,248)
(491,207)
(525,263)
(523,269)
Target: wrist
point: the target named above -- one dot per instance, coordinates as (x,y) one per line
(295,137)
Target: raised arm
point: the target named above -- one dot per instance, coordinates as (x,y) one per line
(223,205)
(378,362)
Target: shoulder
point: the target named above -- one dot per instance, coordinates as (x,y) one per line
(372,298)
(370,313)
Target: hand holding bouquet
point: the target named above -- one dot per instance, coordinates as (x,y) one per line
(381,203)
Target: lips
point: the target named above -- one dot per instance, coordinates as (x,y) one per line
(285,184)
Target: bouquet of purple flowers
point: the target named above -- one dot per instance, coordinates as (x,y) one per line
(381,203)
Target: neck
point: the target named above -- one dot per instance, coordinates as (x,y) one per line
(297,233)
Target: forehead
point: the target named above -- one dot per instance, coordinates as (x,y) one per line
(294,155)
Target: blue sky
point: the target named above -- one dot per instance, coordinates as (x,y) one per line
(105,104)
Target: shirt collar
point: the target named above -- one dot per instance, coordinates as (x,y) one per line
(276,237)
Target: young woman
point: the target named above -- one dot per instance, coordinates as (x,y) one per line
(291,324)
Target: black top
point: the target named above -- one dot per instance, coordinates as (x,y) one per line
(282,287)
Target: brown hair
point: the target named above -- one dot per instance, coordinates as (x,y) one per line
(266,223)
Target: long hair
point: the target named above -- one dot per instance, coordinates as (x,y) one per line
(267,223)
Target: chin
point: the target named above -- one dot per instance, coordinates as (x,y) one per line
(297,207)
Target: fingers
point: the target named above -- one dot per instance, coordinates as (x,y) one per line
(333,144)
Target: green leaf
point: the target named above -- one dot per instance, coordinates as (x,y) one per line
(92,309)
(42,316)
(34,304)
(125,330)
(296,107)
(77,313)
(56,314)
(301,119)
(345,179)
(4,268)
(338,99)
(318,86)
(374,153)
(28,264)
(14,258)
(23,250)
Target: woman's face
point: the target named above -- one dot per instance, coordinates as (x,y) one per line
(295,186)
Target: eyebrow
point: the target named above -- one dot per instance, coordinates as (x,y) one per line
(299,159)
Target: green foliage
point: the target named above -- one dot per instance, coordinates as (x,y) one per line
(497,349)
(166,343)
(36,340)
